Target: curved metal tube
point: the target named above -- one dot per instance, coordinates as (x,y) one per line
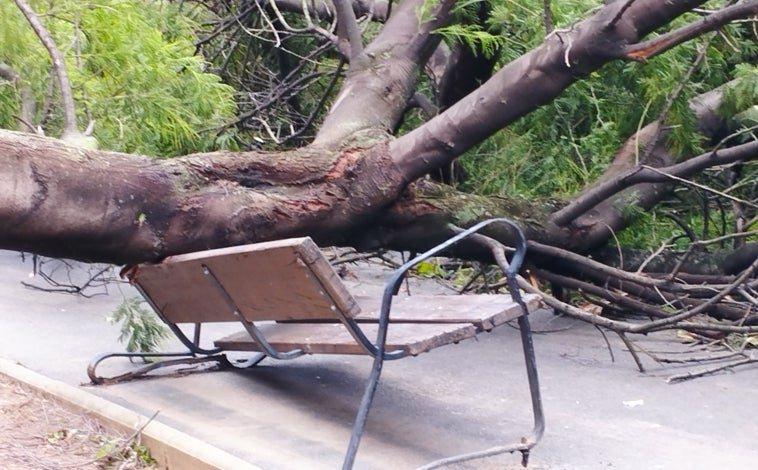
(389,291)
(189,358)
(249,326)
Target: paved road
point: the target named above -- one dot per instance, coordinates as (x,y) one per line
(298,414)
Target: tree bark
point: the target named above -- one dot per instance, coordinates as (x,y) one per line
(350,186)
(104,206)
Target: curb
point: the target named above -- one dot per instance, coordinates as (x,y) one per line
(170,448)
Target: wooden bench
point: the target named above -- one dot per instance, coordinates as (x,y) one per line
(290,302)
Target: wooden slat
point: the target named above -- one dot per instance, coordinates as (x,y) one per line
(335,339)
(484,311)
(267,281)
(327,278)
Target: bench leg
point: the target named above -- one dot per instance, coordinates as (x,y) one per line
(534,389)
(360,420)
(248,363)
(526,443)
(511,271)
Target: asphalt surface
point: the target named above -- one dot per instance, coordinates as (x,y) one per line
(460,398)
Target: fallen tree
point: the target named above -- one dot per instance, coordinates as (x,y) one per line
(360,182)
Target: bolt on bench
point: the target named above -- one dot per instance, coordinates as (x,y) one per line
(290,302)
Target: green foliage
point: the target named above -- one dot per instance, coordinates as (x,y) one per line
(431,268)
(117,454)
(565,145)
(133,69)
(140,328)
(474,37)
(458,274)
(741,96)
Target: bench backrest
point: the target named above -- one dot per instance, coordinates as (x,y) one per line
(278,280)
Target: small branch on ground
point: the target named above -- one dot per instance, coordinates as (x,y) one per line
(119,449)
(51,270)
(711,370)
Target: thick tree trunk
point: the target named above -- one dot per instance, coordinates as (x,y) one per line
(103,206)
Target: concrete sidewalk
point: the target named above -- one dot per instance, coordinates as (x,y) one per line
(465,397)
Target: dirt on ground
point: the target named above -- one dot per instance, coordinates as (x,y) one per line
(40,433)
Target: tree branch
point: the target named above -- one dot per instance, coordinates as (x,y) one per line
(59,66)
(649,175)
(69,202)
(376,91)
(377,10)
(349,35)
(310,25)
(527,83)
(653,47)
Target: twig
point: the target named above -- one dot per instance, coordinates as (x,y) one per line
(470,282)
(689,360)
(617,299)
(667,322)
(557,33)
(311,26)
(710,370)
(682,224)
(715,327)
(547,16)
(607,343)
(652,256)
(591,264)
(699,186)
(265,17)
(70,288)
(365,257)
(321,102)
(632,350)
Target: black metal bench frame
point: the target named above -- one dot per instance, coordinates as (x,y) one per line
(376,349)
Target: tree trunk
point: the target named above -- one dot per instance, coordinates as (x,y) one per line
(103,206)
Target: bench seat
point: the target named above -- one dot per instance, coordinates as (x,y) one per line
(419,323)
(333,338)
